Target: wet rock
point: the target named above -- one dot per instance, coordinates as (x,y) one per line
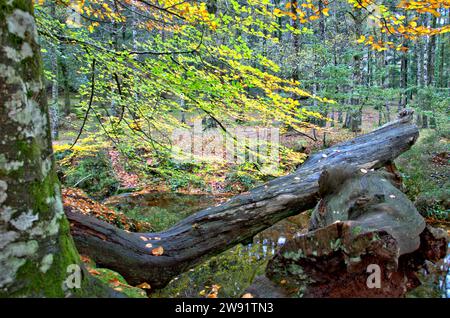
(366,239)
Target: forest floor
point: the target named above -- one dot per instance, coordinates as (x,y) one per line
(142,193)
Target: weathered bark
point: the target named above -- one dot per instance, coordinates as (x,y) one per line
(363,222)
(213,230)
(36,249)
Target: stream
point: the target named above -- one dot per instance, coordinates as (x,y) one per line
(164,209)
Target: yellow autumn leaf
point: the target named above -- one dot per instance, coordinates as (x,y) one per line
(144,286)
(277,12)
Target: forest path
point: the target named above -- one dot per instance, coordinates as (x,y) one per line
(127,179)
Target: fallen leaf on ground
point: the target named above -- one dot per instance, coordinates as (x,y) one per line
(85,259)
(158,251)
(115,282)
(94,271)
(144,286)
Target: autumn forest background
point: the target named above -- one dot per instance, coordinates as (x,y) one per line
(122,77)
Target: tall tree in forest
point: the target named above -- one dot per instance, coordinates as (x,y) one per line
(295,39)
(54,105)
(355,118)
(36,249)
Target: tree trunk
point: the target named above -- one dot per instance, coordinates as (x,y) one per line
(332,117)
(388,110)
(403,81)
(403,101)
(385,85)
(442,62)
(213,230)
(356,111)
(296,40)
(54,106)
(340,119)
(431,46)
(36,250)
(420,60)
(66,84)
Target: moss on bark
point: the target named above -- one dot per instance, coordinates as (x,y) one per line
(36,247)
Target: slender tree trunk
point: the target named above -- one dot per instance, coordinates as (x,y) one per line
(296,40)
(421,74)
(431,50)
(115,46)
(403,101)
(431,55)
(355,115)
(54,105)
(385,85)
(332,117)
(340,119)
(66,85)
(441,62)
(317,75)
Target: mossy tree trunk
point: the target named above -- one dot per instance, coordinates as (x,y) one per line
(36,249)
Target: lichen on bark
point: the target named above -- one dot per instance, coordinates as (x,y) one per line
(35,244)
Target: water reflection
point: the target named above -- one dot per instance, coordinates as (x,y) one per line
(268,242)
(443,270)
(265,249)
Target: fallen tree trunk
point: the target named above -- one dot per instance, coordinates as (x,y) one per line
(156,258)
